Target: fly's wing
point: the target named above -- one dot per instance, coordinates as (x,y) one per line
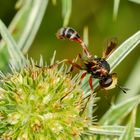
(111,46)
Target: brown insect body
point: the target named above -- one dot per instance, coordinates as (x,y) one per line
(98,67)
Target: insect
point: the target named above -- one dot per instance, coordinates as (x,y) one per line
(97,67)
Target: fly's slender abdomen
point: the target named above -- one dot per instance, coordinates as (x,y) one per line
(69,33)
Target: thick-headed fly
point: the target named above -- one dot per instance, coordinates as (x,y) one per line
(97,67)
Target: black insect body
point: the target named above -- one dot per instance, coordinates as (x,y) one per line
(97,67)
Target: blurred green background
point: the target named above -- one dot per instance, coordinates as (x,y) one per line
(97,15)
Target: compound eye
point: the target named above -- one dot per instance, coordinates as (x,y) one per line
(106,82)
(109,82)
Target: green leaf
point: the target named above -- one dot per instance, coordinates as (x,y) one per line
(123,50)
(4,55)
(135,1)
(17,58)
(54,2)
(110,130)
(85,35)
(115,9)
(35,16)
(117,112)
(128,133)
(24,26)
(66,11)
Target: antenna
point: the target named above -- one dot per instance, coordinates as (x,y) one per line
(123,89)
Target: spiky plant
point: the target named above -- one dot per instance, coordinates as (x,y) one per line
(41,103)
(18,38)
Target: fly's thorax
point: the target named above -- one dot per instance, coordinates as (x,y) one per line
(106,81)
(98,67)
(103,64)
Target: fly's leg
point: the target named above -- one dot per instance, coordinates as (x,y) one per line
(79,57)
(83,75)
(90,83)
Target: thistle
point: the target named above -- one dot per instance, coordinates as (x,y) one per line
(41,103)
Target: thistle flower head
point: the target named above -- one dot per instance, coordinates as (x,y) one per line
(41,103)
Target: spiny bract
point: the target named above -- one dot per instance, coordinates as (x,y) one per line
(40,103)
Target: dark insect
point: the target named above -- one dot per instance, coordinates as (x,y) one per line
(97,67)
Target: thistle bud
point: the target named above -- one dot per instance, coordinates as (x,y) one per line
(41,103)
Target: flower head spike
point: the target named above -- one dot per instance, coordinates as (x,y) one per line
(41,103)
